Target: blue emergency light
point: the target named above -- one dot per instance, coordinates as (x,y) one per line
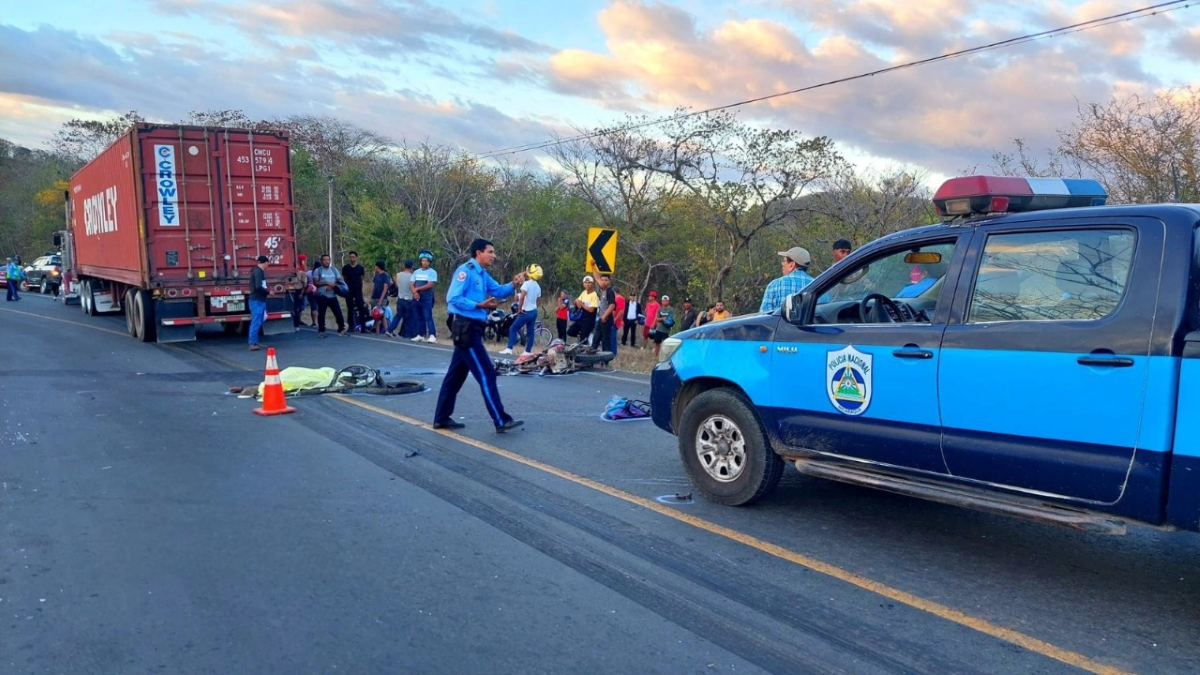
(972,195)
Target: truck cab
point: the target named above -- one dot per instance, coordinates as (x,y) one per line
(1033,355)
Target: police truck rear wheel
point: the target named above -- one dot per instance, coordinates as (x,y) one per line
(725,450)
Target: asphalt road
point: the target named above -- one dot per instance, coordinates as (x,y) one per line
(149,523)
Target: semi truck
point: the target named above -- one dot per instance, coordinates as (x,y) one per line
(166,225)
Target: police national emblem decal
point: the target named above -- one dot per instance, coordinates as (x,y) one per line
(848,382)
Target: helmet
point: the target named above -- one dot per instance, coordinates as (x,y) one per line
(425,254)
(535,271)
(377,313)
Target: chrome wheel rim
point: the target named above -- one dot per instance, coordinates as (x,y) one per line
(721,448)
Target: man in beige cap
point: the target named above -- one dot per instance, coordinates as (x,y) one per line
(795,277)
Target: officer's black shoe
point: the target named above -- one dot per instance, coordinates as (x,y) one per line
(508,426)
(448,425)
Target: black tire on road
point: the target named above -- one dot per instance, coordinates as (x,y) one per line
(592,359)
(44,288)
(403,387)
(725,451)
(88,299)
(143,316)
(130,323)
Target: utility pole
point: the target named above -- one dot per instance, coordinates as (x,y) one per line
(330,250)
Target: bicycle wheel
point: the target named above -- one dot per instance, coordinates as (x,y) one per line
(542,336)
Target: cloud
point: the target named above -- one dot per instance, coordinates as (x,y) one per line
(54,75)
(29,120)
(408,69)
(373,27)
(1187,44)
(905,25)
(947,116)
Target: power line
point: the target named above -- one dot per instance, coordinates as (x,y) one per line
(1131,15)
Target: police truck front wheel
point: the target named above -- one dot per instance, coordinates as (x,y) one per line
(725,450)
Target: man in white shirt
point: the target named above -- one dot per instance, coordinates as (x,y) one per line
(423,281)
(633,310)
(527,308)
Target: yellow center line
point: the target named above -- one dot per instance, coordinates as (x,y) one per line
(916,602)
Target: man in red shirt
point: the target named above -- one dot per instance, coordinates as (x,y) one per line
(562,314)
(620,321)
(651,317)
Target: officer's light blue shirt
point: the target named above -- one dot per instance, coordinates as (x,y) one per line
(471,285)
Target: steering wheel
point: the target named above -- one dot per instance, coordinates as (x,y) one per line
(884,310)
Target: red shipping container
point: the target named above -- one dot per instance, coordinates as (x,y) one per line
(182,213)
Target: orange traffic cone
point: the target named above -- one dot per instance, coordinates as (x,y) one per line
(272,400)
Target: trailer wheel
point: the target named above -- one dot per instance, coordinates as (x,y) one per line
(87,300)
(130,319)
(143,312)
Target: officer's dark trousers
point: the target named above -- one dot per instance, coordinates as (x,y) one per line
(475,360)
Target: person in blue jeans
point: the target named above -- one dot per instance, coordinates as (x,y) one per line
(405,305)
(528,300)
(423,281)
(13,279)
(258,300)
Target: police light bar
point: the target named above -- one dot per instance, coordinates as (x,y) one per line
(969,195)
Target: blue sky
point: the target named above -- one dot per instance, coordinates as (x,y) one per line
(493,74)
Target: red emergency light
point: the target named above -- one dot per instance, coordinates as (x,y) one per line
(974,195)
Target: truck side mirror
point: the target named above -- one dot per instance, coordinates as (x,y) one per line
(57,240)
(791,307)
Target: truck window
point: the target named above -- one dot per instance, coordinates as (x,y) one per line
(1061,275)
(894,275)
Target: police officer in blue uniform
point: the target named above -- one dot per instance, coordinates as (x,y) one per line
(473,293)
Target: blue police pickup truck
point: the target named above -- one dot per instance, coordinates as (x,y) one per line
(1037,354)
